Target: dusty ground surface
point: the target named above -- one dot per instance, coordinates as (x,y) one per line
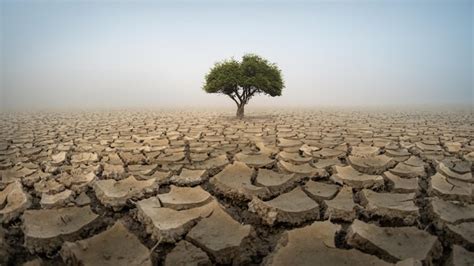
(201,188)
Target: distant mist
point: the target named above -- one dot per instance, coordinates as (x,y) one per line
(110,54)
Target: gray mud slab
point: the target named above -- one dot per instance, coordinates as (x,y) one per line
(315,243)
(399,184)
(450,189)
(408,171)
(235,181)
(376,164)
(451,212)
(462,233)
(301,170)
(220,236)
(115,247)
(349,176)
(166,224)
(342,207)
(13,201)
(181,198)
(275,182)
(321,191)
(390,206)
(394,243)
(115,194)
(460,256)
(254,160)
(45,230)
(185,253)
(293,207)
(189,177)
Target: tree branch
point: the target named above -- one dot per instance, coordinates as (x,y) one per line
(245,94)
(253,92)
(233,98)
(238,95)
(248,92)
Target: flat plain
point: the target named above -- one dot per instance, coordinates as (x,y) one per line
(280,187)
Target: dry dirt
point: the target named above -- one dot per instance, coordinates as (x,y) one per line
(288,187)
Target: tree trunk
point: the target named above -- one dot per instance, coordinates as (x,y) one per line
(240,111)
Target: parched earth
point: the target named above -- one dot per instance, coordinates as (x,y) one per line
(288,187)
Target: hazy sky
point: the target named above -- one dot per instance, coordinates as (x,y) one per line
(137,53)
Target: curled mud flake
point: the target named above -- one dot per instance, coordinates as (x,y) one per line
(315,243)
(46,230)
(390,206)
(342,207)
(351,177)
(294,207)
(13,201)
(223,238)
(103,249)
(115,194)
(235,181)
(394,243)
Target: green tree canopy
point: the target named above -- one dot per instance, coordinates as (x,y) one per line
(242,80)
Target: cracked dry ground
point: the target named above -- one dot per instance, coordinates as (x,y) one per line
(201,188)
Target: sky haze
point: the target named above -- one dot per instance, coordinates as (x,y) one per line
(92,54)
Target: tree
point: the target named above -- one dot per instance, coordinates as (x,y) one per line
(242,80)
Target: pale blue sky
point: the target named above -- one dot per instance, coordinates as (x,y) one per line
(143,53)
